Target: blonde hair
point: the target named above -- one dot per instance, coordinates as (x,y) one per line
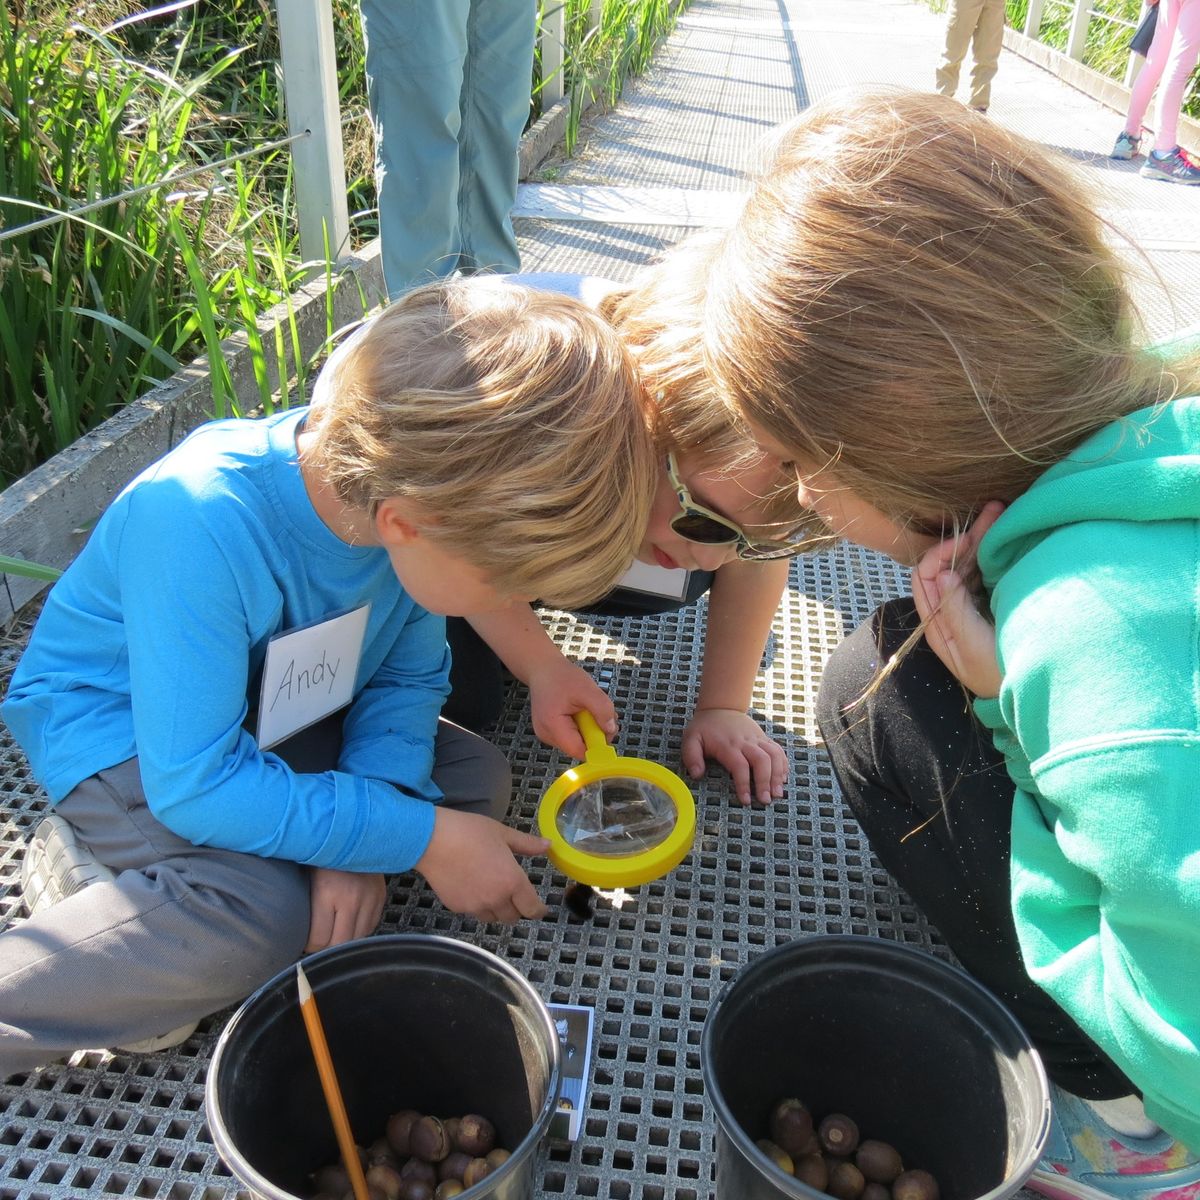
(921,301)
(513,419)
(660,319)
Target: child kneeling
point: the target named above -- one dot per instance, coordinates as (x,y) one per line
(232,696)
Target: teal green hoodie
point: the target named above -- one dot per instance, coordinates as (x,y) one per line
(1094,575)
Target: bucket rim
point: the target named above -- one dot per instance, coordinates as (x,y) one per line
(259,1183)
(881,949)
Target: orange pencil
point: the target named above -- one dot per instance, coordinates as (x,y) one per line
(329,1084)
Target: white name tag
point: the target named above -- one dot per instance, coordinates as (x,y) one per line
(309,673)
(658,581)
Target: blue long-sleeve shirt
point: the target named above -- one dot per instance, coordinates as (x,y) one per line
(153,640)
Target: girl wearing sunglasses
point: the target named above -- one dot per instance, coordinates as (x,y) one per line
(725,521)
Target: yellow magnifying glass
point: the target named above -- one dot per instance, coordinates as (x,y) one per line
(613,821)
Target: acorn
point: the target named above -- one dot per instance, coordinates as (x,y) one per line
(777,1154)
(497,1157)
(580,899)
(846,1181)
(429,1141)
(453,1165)
(448,1188)
(386,1178)
(813,1170)
(450,1124)
(790,1125)
(399,1130)
(418,1168)
(915,1185)
(416,1189)
(838,1134)
(812,1146)
(878,1161)
(477,1169)
(476,1135)
(876,1191)
(380,1151)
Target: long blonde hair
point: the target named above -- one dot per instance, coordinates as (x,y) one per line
(513,418)
(922,302)
(660,317)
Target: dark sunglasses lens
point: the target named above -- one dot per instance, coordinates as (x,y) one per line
(696,527)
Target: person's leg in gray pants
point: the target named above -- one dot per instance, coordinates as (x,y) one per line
(183,930)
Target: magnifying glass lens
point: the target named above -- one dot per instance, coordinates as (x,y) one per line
(616,816)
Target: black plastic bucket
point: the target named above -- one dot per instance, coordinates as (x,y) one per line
(412,1021)
(913,1049)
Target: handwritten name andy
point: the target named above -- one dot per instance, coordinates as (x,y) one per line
(308,673)
(296,683)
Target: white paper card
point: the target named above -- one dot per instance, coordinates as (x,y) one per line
(574,1024)
(309,673)
(658,581)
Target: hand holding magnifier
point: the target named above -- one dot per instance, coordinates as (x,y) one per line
(613,821)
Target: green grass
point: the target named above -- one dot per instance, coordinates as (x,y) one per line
(99,99)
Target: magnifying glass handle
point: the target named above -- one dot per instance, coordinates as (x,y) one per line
(593,737)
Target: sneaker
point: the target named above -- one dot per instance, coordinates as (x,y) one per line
(1085,1159)
(1127,145)
(54,868)
(1174,167)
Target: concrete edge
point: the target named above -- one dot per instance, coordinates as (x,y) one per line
(45,516)
(1101,88)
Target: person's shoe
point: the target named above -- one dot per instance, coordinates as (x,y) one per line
(54,868)
(1127,145)
(1174,167)
(1086,1159)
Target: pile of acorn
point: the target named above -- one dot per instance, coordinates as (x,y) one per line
(419,1157)
(832,1158)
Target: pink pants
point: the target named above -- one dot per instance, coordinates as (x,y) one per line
(1172,57)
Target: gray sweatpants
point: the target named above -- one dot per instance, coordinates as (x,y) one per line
(183,930)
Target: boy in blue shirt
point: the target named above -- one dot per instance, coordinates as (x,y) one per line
(232,696)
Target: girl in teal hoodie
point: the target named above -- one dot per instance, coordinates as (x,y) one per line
(916,310)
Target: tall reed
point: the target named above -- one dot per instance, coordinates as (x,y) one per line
(100,98)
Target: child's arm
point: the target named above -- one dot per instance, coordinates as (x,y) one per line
(557,687)
(741,606)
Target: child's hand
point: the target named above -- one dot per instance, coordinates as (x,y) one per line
(945,588)
(343,905)
(736,740)
(557,691)
(469,863)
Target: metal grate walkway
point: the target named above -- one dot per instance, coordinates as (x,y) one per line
(652,960)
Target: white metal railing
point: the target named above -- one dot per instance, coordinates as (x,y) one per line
(1081,15)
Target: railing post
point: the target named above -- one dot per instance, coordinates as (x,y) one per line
(595,11)
(310,88)
(1077,37)
(1033,19)
(553,38)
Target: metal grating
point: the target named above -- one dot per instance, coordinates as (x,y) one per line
(650,962)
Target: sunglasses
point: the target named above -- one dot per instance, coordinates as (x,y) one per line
(696,523)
